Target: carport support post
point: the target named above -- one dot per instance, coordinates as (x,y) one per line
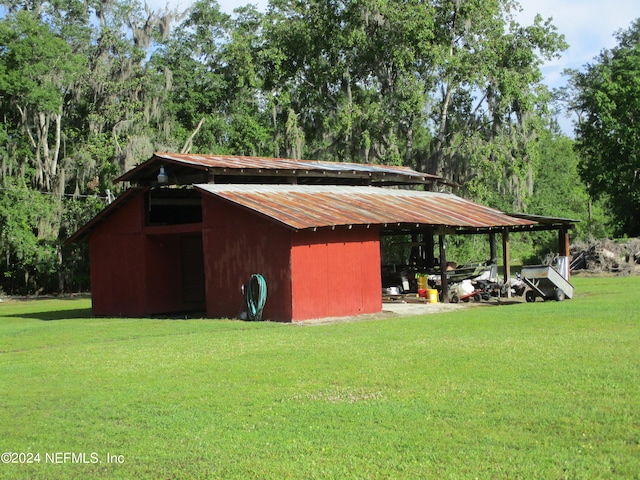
(506,259)
(493,249)
(429,245)
(443,269)
(564,247)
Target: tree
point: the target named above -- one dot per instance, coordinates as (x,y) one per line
(449,87)
(37,70)
(250,132)
(190,62)
(560,192)
(348,77)
(607,97)
(27,240)
(78,108)
(489,102)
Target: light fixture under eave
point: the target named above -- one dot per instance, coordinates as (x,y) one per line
(163,178)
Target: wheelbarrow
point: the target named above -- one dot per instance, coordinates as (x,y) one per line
(544,281)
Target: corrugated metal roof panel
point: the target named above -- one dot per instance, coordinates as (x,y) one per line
(230,164)
(545,219)
(239,162)
(304,206)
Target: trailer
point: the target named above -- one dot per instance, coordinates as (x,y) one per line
(544,281)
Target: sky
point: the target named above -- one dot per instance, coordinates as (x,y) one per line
(588,26)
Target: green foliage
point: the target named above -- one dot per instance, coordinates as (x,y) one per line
(74,269)
(468,249)
(349,73)
(607,94)
(38,69)
(28,248)
(559,191)
(490,100)
(537,391)
(36,65)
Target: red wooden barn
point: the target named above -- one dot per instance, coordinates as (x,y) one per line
(192,229)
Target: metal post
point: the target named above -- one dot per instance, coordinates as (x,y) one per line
(564,248)
(493,249)
(429,246)
(506,259)
(443,269)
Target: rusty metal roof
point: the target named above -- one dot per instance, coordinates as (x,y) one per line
(187,166)
(314,206)
(543,222)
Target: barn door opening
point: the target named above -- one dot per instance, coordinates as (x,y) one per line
(193,284)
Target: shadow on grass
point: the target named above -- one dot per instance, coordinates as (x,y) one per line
(69,314)
(38,308)
(86,313)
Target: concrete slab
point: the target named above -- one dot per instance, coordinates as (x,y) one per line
(411,308)
(397,308)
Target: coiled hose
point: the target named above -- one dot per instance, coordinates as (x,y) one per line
(255,296)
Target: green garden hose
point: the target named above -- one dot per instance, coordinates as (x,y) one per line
(255,296)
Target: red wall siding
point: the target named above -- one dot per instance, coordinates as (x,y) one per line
(237,244)
(336,273)
(309,274)
(133,274)
(117,262)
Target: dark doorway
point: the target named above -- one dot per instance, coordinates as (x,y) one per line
(193,283)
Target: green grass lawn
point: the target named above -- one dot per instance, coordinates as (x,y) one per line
(541,390)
